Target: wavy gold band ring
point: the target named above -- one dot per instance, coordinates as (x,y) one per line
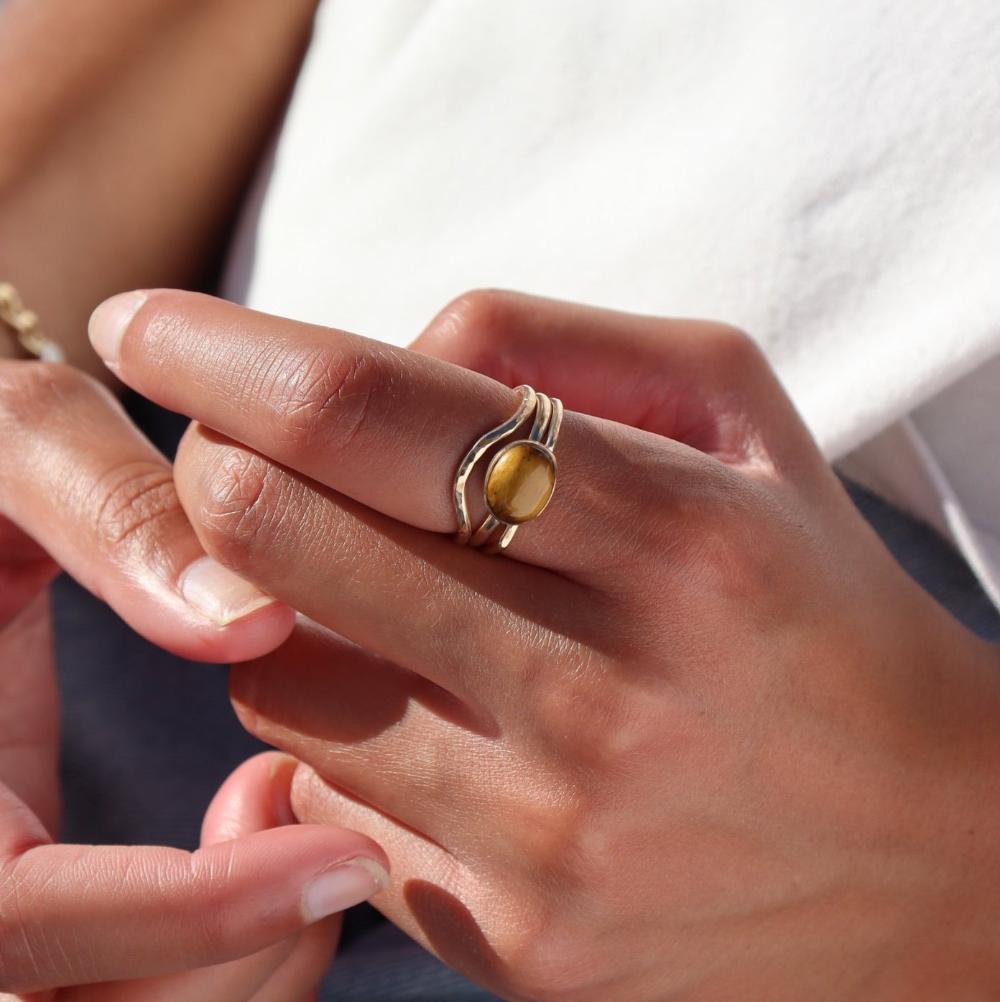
(520,477)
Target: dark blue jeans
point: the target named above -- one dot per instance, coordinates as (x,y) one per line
(148,738)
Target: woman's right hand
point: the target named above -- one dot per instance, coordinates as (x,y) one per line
(82,490)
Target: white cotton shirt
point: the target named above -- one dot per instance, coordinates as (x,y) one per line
(826,176)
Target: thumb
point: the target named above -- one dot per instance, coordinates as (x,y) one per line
(258,796)
(254,798)
(82,914)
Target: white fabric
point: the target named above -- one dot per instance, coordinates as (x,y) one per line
(825,175)
(941,463)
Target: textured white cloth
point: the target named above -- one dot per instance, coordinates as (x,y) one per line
(827,176)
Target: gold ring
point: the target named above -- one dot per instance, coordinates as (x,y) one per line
(520,476)
(23,326)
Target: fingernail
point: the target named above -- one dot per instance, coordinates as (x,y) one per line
(109,322)
(218,593)
(349,884)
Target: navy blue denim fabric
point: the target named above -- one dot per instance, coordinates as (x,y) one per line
(148,738)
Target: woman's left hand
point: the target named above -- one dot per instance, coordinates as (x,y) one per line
(695,736)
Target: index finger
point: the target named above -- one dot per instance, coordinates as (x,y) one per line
(72,915)
(383,425)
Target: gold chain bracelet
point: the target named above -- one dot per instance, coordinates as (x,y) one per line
(24,325)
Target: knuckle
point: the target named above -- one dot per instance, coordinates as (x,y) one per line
(551,829)
(546,962)
(239,507)
(559,952)
(570,715)
(605,726)
(474,323)
(725,549)
(131,503)
(549,814)
(544,958)
(714,564)
(691,498)
(327,398)
(733,349)
(574,842)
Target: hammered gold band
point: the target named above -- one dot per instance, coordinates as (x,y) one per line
(520,476)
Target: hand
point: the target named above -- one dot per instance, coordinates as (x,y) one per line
(254,799)
(100,501)
(696,735)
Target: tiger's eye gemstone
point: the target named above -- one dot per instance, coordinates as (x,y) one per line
(519,482)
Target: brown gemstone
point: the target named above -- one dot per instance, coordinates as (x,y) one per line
(519,482)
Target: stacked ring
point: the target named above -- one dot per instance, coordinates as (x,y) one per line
(520,477)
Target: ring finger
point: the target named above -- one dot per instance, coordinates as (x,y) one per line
(382,425)
(409,596)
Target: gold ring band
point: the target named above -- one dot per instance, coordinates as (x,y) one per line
(520,477)
(23,326)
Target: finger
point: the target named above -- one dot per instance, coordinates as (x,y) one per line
(255,797)
(411,597)
(72,915)
(438,897)
(29,712)
(701,382)
(237,981)
(384,735)
(298,977)
(382,425)
(25,569)
(414,855)
(81,480)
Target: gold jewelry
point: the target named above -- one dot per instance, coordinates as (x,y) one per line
(24,325)
(520,478)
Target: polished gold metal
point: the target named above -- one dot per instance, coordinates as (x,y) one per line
(520,477)
(23,325)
